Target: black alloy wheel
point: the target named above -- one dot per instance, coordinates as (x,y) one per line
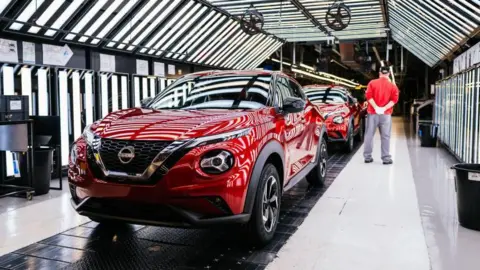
(266,210)
(317,175)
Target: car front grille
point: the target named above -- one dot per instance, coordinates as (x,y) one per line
(145,153)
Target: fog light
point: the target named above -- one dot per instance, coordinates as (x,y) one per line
(338,120)
(216,162)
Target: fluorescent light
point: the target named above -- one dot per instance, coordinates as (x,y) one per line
(236,44)
(114,80)
(208,43)
(64,17)
(351,84)
(204,34)
(124,85)
(242,50)
(194,31)
(26,77)
(136,18)
(156,22)
(175,28)
(26,14)
(88,98)
(162,84)
(219,40)
(307,67)
(54,6)
(8,89)
(255,52)
(77,121)
(99,21)
(230,42)
(136,88)
(42,75)
(87,18)
(115,20)
(4,4)
(144,88)
(104,91)
(152,87)
(63,93)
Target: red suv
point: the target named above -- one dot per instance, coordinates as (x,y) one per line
(213,148)
(343,114)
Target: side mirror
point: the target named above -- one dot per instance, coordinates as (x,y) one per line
(293,105)
(145,102)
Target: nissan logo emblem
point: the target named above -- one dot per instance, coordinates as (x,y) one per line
(126,154)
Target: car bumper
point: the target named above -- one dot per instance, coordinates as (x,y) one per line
(337,132)
(155,215)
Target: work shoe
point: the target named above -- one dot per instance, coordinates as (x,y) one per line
(368,160)
(387,162)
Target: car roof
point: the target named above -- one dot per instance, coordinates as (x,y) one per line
(323,86)
(232,72)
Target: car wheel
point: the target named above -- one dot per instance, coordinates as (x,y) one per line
(349,144)
(106,221)
(318,174)
(266,209)
(361,131)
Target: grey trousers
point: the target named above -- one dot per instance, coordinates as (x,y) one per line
(384,124)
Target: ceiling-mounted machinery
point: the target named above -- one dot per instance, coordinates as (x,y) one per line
(338,16)
(252,21)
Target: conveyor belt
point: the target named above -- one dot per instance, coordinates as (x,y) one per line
(92,246)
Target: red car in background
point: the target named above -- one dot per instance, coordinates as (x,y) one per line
(213,148)
(343,114)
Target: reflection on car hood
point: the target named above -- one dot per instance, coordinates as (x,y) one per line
(147,124)
(331,107)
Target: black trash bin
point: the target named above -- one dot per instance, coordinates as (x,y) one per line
(428,134)
(43,170)
(467,186)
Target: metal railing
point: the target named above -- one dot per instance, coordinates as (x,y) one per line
(457,112)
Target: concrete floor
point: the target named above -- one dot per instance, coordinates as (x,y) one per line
(386,217)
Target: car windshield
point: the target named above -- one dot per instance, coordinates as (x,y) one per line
(230,91)
(326,95)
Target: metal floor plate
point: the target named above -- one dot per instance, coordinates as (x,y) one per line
(93,246)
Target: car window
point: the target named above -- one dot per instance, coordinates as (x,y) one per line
(228,91)
(283,90)
(326,95)
(296,90)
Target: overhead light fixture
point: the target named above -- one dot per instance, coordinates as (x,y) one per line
(307,67)
(351,84)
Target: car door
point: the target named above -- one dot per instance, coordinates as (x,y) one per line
(294,130)
(307,139)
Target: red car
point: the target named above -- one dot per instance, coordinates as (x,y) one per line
(343,114)
(216,147)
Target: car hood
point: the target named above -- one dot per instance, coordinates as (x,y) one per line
(332,108)
(171,125)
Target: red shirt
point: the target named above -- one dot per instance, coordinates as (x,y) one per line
(382,91)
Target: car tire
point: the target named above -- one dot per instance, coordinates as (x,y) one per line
(266,209)
(106,221)
(317,176)
(350,143)
(361,131)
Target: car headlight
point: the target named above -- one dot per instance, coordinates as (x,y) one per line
(89,136)
(216,162)
(73,154)
(220,137)
(338,119)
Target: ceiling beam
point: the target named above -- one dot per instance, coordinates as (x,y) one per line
(307,14)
